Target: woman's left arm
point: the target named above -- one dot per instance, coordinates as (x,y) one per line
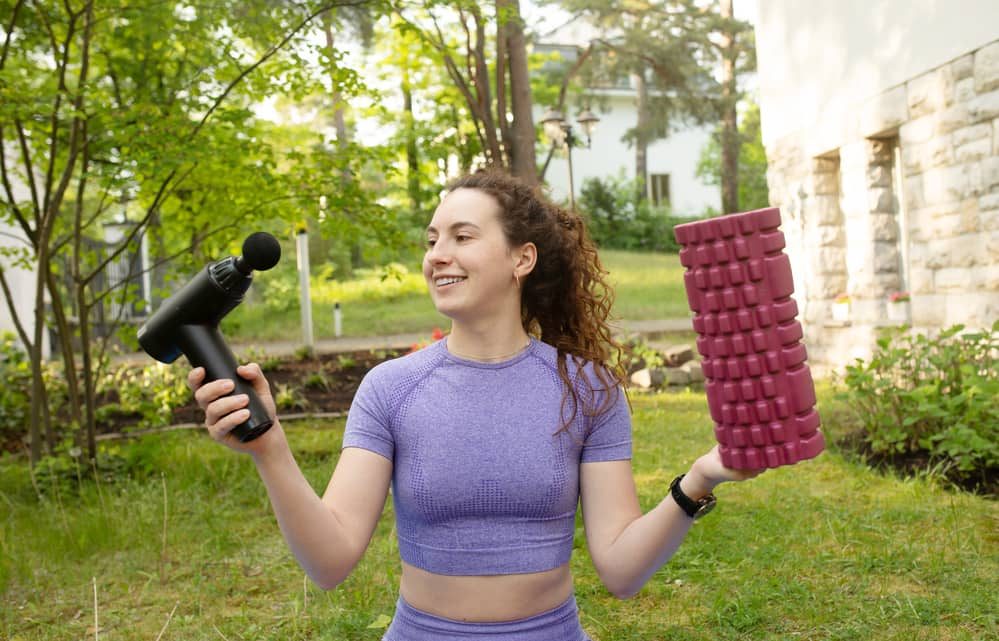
(628,547)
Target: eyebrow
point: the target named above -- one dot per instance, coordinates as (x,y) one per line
(454,226)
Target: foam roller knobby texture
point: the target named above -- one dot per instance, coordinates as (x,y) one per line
(760,391)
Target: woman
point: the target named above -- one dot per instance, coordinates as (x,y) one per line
(490,437)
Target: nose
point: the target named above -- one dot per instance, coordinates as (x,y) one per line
(438,254)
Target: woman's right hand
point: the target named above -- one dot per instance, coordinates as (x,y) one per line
(223,413)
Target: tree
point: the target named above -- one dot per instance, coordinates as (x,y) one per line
(491,74)
(752,161)
(110,110)
(669,48)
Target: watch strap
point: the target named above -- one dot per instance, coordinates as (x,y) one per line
(694,508)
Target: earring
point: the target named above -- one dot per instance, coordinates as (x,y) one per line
(516,277)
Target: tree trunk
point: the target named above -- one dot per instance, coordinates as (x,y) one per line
(642,139)
(412,151)
(522,153)
(730,142)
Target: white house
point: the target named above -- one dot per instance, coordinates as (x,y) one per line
(670,161)
(881,123)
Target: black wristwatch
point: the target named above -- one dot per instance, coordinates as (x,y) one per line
(694,509)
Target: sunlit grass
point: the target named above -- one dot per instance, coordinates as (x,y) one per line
(826,549)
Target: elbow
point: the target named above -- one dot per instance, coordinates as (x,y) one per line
(623,593)
(620,587)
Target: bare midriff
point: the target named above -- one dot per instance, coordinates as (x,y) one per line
(492,598)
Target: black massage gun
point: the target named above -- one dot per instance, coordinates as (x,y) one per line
(187,323)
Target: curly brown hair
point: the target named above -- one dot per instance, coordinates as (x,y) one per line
(566,300)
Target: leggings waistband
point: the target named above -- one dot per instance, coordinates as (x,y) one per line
(558,624)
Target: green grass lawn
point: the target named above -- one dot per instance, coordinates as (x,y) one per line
(647,286)
(186,547)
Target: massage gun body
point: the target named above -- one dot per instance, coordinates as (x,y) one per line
(187,323)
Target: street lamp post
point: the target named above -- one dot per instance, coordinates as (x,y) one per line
(561,134)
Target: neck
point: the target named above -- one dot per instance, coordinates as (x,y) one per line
(487,344)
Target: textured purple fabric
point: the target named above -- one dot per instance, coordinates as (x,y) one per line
(558,624)
(482,482)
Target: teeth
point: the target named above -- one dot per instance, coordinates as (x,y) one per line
(440,282)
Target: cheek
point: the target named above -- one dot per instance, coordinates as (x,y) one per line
(428,269)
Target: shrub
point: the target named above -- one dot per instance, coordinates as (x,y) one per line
(936,397)
(617,219)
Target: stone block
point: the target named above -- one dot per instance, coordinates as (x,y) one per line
(943,185)
(926,93)
(825,183)
(936,152)
(988,202)
(826,165)
(694,372)
(963,67)
(976,309)
(995,136)
(828,286)
(986,70)
(828,236)
(953,118)
(676,355)
(984,107)
(920,280)
(992,248)
(928,310)
(990,173)
(879,152)
(825,210)
(886,258)
(974,133)
(677,376)
(829,260)
(918,130)
(965,250)
(880,199)
(884,227)
(973,151)
(964,91)
(880,175)
(648,378)
(913,192)
(884,112)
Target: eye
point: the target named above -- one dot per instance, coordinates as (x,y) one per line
(431,242)
(462,237)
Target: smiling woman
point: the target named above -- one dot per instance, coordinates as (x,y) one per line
(491,437)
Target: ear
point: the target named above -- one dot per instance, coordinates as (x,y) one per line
(524,257)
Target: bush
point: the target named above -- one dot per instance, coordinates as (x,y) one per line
(932,397)
(617,219)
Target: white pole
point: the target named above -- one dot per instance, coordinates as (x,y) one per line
(337,320)
(303,281)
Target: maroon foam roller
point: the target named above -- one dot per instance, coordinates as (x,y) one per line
(760,391)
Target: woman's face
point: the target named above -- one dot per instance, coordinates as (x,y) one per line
(469,266)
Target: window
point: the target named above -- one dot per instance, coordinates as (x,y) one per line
(659,189)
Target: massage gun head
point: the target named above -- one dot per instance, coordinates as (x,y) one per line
(208,297)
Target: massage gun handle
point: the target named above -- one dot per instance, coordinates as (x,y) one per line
(205,347)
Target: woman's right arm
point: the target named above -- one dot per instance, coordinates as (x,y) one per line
(327,535)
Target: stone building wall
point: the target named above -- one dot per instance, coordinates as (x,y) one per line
(902,196)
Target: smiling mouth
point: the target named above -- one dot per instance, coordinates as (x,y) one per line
(451,280)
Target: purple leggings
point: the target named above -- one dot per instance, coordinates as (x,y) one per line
(560,624)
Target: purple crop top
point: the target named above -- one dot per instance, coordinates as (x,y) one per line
(481,483)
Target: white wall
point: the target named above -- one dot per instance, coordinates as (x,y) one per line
(609,155)
(818,59)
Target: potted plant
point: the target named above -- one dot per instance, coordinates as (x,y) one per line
(841,308)
(898,307)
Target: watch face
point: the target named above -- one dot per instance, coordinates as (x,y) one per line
(707,506)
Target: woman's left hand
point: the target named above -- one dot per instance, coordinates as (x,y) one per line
(708,471)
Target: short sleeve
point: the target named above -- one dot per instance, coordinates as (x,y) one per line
(369,420)
(609,438)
